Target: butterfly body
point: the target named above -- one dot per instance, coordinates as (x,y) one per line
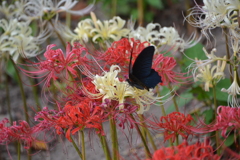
(142,76)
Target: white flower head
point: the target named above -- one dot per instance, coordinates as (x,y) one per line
(112,29)
(38,9)
(110,87)
(169,36)
(145,34)
(233,91)
(209,75)
(17,36)
(83,30)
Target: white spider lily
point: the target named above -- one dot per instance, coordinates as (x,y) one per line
(48,8)
(209,75)
(109,30)
(233,91)
(83,30)
(169,36)
(16,38)
(110,87)
(145,34)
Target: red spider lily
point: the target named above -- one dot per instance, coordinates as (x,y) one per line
(228,119)
(174,124)
(57,64)
(75,93)
(22,132)
(121,116)
(119,53)
(79,116)
(198,151)
(164,66)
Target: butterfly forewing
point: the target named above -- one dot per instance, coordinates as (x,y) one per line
(143,63)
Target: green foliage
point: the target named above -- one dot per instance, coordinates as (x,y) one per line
(182,100)
(11,71)
(229,141)
(155,3)
(208,115)
(192,53)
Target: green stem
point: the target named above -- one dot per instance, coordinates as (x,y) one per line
(59,36)
(174,98)
(19,150)
(146,131)
(35,93)
(105,147)
(114,139)
(68,19)
(149,155)
(140,12)
(215,107)
(114,7)
(22,91)
(8,99)
(76,148)
(83,145)
(228,53)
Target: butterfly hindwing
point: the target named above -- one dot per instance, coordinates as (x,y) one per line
(142,76)
(152,80)
(143,63)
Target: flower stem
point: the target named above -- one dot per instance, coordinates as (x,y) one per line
(147,132)
(149,155)
(140,12)
(174,99)
(76,148)
(8,99)
(19,150)
(114,7)
(35,93)
(215,107)
(59,36)
(228,53)
(83,145)
(22,91)
(105,147)
(114,139)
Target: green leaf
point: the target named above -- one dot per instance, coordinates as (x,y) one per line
(11,71)
(229,141)
(225,83)
(156,3)
(208,114)
(182,100)
(200,94)
(192,53)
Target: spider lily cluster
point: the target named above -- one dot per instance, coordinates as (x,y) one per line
(85,87)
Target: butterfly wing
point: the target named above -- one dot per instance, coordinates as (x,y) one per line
(143,63)
(151,80)
(144,75)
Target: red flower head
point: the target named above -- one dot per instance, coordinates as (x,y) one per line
(164,66)
(198,151)
(175,124)
(79,116)
(22,132)
(58,64)
(119,53)
(227,120)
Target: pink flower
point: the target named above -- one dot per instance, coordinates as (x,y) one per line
(58,64)
(165,68)
(227,120)
(22,132)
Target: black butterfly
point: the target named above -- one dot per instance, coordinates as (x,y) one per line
(142,76)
